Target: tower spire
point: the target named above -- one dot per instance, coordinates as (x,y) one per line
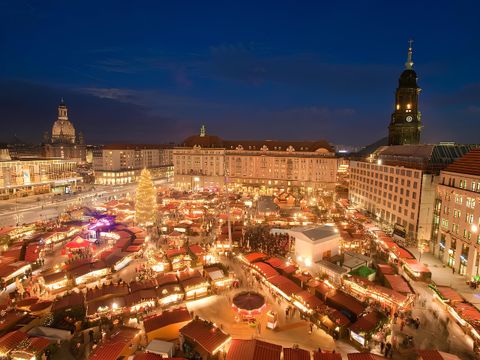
(409,63)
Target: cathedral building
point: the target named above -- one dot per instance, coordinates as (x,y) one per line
(405,125)
(64,142)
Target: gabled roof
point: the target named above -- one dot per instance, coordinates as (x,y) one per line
(347,302)
(205,334)
(150,356)
(365,356)
(113,347)
(166,318)
(266,270)
(9,341)
(253,350)
(326,356)
(366,323)
(295,354)
(67,301)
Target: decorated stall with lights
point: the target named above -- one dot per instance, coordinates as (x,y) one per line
(362,330)
(89,272)
(466,315)
(55,281)
(194,284)
(369,291)
(179,259)
(218,276)
(248,305)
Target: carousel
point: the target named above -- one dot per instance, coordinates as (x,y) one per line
(248,305)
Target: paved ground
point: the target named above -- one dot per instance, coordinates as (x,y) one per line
(289,331)
(442,275)
(48,206)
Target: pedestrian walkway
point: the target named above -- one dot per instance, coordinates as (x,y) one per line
(444,276)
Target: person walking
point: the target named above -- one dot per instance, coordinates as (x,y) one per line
(388,347)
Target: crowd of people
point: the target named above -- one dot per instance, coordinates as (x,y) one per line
(258,238)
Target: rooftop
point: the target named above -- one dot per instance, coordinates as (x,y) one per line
(212,141)
(136,146)
(205,334)
(166,318)
(253,349)
(317,233)
(427,157)
(468,164)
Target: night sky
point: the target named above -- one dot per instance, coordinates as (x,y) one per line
(155,71)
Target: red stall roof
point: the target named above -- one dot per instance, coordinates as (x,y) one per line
(326,356)
(205,334)
(266,270)
(174,252)
(467,311)
(386,269)
(310,300)
(347,302)
(449,294)
(253,257)
(398,283)
(253,350)
(10,341)
(295,354)
(365,356)
(286,285)
(366,323)
(112,349)
(166,318)
(416,266)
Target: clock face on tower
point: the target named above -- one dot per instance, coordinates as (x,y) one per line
(409,118)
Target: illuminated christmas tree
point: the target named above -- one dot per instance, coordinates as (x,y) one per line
(146,200)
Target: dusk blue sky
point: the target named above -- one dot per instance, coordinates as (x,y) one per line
(155,71)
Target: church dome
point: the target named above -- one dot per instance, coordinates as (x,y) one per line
(408,78)
(63,130)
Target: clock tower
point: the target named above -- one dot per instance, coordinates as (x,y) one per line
(405,125)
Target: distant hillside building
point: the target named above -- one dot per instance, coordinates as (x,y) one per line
(119,164)
(64,142)
(205,161)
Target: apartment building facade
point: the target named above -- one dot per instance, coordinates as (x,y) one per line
(206,161)
(457,215)
(120,164)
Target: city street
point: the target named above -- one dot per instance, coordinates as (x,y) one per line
(46,207)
